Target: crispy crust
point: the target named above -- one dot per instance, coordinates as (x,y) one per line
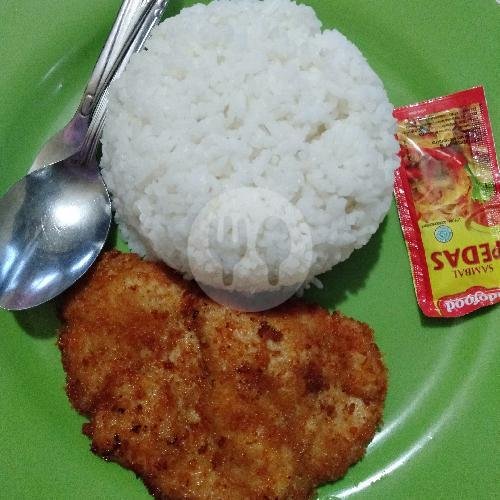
(204,402)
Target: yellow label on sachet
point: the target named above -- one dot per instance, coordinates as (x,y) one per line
(458,256)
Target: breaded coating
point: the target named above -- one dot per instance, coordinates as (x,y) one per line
(204,402)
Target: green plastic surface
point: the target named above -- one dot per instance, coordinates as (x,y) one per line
(440,437)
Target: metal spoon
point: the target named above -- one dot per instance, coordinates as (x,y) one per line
(54,221)
(110,64)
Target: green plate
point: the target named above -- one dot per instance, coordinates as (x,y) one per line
(441,429)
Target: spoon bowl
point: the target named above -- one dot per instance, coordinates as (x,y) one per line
(53,224)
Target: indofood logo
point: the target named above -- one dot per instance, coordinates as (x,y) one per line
(250,249)
(471,299)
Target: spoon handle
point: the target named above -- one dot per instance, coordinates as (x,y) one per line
(126,33)
(111,62)
(134,42)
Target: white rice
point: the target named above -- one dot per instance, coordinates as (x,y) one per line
(248,93)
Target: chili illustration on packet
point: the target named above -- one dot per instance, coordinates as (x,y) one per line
(447,191)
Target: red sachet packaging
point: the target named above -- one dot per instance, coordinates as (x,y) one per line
(447,191)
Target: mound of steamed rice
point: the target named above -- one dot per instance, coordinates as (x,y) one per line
(248,93)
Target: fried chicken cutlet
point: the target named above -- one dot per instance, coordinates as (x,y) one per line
(204,402)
